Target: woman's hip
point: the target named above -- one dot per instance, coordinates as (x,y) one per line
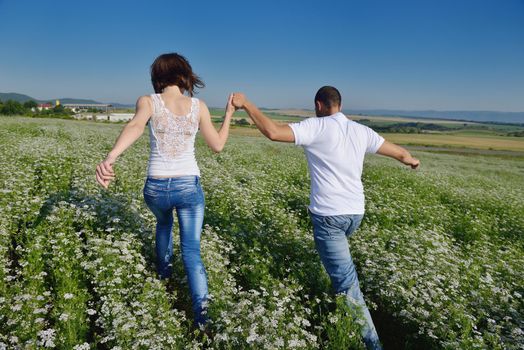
(180,191)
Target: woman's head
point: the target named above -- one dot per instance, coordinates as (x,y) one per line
(174,69)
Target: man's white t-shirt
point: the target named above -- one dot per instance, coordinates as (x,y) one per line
(335,148)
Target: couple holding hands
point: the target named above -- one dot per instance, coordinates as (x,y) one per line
(334,146)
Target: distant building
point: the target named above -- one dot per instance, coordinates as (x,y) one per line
(83,116)
(113,117)
(44,106)
(120,117)
(101,117)
(77,107)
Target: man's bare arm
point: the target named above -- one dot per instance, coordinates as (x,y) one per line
(272,130)
(399,153)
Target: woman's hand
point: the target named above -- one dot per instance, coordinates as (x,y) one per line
(230,109)
(104,171)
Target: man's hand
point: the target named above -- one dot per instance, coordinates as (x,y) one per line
(104,172)
(268,127)
(399,153)
(412,162)
(239,100)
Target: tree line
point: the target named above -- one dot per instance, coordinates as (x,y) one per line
(29,108)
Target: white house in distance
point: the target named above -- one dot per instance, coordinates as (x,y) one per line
(44,106)
(81,108)
(112,117)
(120,117)
(78,107)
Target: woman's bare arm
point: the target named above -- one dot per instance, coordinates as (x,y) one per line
(131,132)
(215,139)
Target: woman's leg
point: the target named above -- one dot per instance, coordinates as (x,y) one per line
(164,243)
(190,219)
(158,202)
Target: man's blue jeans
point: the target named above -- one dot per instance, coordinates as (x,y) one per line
(184,194)
(331,240)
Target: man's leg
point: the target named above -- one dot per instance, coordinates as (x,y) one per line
(330,233)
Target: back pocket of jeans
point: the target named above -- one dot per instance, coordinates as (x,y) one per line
(151,191)
(337,222)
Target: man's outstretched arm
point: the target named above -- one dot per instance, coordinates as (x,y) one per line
(272,130)
(399,153)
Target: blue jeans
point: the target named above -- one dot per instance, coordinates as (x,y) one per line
(184,194)
(331,235)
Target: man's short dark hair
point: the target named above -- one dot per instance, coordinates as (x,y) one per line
(329,96)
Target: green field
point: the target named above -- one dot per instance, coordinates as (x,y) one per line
(440,253)
(217,112)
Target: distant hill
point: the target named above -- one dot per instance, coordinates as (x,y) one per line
(76,100)
(121,105)
(23,98)
(476,116)
(470,116)
(17,97)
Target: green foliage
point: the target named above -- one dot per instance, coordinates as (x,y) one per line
(11,107)
(241,122)
(516,133)
(440,254)
(30,104)
(95,110)
(418,127)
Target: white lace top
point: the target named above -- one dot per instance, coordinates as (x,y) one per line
(172,140)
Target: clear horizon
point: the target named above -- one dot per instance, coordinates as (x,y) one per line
(407,55)
(287,108)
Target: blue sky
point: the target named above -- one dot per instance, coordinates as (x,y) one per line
(441,54)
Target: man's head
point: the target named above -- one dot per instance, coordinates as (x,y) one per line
(327,101)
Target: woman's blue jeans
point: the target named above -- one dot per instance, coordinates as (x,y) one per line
(184,194)
(331,235)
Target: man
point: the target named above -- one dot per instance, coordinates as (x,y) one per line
(335,149)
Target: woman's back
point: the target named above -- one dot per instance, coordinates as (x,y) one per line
(172,136)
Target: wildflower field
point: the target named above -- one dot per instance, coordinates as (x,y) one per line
(439,253)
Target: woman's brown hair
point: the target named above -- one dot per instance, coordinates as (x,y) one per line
(174,69)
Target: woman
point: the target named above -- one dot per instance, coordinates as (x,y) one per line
(173,176)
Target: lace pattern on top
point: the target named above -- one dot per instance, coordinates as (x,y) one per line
(173,133)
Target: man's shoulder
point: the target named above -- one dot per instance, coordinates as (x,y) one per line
(307,122)
(356,125)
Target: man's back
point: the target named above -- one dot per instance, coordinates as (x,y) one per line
(335,148)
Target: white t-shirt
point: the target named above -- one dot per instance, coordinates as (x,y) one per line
(335,147)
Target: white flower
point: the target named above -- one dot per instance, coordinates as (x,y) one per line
(333,319)
(47,338)
(68,296)
(84,346)
(252,338)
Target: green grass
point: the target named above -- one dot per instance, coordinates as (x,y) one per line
(218,112)
(440,254)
